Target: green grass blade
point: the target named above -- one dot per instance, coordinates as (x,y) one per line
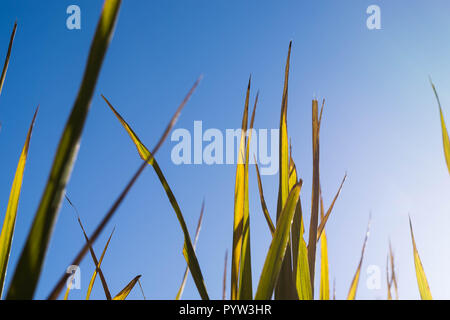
(424,288)
(445,138)
(354,286)
(101,226)
(8,55)
(278,246)
(94,276)
(7,233)
(31,260)
(303,281)
(263,202)
(186,271)
(122,295)
(188,249)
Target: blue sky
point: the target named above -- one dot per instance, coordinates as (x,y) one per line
(380,125)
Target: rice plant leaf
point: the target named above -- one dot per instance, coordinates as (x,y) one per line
(239,200)
(277,250)
(285,288)
(327,215)
(424,288)
(9,222)
(107,217)
(303,280)
(263,202)
(8,55)
(188,249)
(314,194)
(186,271)
(122,295)
(324,273)
(96,263)
(445,138)
(94,276)
(26,276)
(245,273)
(354,286)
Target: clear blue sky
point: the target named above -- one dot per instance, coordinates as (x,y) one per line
(380,125)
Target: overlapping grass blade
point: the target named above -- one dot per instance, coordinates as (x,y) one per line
(354,286)
(424,288)
(296,223)
(122,295)
(445,138)
(285,288)
(188,249)
(263,202)
(303,280)
(96,263)
(186,271)
(8,55)
(239,200)
(7,233)
(324,273)
(94,276)
(79,257)
(277,250)
(30,263)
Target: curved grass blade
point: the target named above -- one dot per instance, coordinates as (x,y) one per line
(277,250)
(239,199)
(122,295)
(445,138)
(327,215)
(324,273)
(7,233)
(186,271)
(96,263)
(79,257)
(263,202)
(424,288)
(29,267)
(188,249)
(8,55)
(94,276)
(354,286)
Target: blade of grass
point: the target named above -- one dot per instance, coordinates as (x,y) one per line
(96,263)
(394,277)
(278,246)
(224,290)
(26,276)
(8,55)
(424,288)
(324,273)
(388,282)
(94,276)
(188,249)
(303,280)
(354,286)
(314,194)
(186,271)
(263,202)
(296,224)
(142,290)
(122,295)
(79,257)
(445,138)
(7,233)
(285,284)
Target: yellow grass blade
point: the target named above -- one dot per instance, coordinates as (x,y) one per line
(314,194)
(296,224)
(327,215)
(188,249)
(79,257)
(388,282)
(8,55)
(354,286)
(94,276)
(277,250)
(239,200)
(96,263)
(285,288)
(394,277)
(303,280)
(424,288)
(445,138)
(7,233)
(26,276)
(122,295)
(324,273)
(263,202)
(186,271)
